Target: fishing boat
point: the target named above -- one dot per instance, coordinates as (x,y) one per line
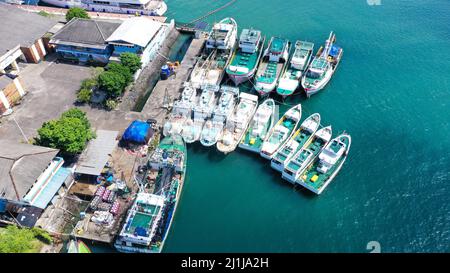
(181,111)
(245,59)
(281,132)
(271,66)
(258,129)
(138,7)
(220,44)
(298,141)
(321,172)
(298,163)
(291,77)
(149,220)
(322,67)
(82,247)
(214,126)
(237,124)
(72,247)
(192,128)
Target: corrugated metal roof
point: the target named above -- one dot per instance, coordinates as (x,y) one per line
(94,158)
(20,166)
(137,31)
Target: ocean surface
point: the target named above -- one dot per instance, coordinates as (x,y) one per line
(391,92)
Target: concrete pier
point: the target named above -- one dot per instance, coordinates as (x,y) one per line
(154,107)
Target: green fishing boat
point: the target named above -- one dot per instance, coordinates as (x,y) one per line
(83,248)
(271,66)
(290,79)
(301,160)
(301,137)
(245,59)
(259,127)
(322,171)
(149,220)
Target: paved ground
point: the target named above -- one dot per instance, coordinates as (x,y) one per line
(51,90)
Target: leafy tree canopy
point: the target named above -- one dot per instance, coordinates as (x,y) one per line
(22,240)
(76,12)
(131,60)
(122,70)
(70,133)
(112,82)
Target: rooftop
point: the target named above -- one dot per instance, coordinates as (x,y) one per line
(85,32)
(20,27)
(94,158)
(137,30)
(20,166)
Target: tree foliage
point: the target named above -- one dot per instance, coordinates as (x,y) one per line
(70,133)
(131,60)
(122,70)
(22,240)
(112,82)
(84,95)
(76,12)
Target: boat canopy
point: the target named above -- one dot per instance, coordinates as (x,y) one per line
(334,51)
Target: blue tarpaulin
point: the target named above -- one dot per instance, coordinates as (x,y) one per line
(334,50)
(137,132)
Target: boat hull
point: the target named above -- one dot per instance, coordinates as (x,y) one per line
(276,165)
(239,79)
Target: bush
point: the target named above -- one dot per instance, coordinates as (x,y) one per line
(111,104)
(131,60)
(89,84)
(44,13)
(84,95)
(76,12)
(42,235)
(112,82)
(70,133)
(122,70)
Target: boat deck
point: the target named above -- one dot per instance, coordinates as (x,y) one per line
(246,60)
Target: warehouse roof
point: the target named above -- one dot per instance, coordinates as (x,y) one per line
(136,30)
(20,166)
(94,158)
(79,32)
(20,27)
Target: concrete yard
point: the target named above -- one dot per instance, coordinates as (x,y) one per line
(51,90)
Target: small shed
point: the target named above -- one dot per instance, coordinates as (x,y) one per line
(94,158)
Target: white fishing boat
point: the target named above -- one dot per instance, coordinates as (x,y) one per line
(304,157)
(281,132)
(297,142)
(237,124)
(320,174)
(291,77)
(224,109)
(322,67)
(221,42)
(258,129)
(202,111)
(181,111)
(140,7)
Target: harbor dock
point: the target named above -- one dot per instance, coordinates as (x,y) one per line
(166,91)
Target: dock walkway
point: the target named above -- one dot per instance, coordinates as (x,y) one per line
(170,89)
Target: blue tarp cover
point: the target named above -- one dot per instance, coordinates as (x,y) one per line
(136,132)
(334,50)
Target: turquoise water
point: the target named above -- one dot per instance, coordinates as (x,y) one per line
(391,93)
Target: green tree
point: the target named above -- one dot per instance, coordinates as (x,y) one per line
(112,82)
(122,70)
(76,12)
(84,95)
(111,104)
(22,240)
(70,133)
(131,60)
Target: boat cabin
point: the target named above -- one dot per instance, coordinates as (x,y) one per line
(249,40)
(276,49)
